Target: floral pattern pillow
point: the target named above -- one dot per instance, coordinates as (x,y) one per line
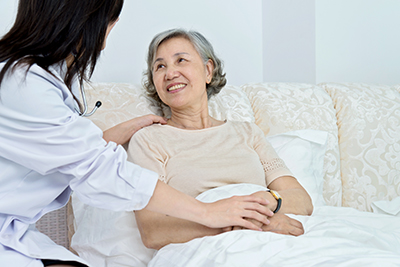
(120,102)
(369,139)
(284,107)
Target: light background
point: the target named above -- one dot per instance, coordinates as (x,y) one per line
(307,41)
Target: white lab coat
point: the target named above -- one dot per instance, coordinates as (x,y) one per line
(47,150)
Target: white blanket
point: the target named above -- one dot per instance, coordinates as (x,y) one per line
(334,236)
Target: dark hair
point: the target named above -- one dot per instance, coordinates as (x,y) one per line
(46,32)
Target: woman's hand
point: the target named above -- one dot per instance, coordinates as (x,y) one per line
(283,224)
(238,211)
(279,223)
(122,133)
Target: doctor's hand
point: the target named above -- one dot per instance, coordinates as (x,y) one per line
(241,211)
(122,133)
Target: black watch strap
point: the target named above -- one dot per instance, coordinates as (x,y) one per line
(278,198)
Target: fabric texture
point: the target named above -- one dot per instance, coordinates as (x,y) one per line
(120,102)
(303,152)
(369,139)
(334,236)
(194,161)
(231,104)
(284,107)
(387,207)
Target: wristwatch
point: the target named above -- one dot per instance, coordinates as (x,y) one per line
(278,198)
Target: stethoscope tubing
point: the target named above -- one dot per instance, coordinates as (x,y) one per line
(85,113)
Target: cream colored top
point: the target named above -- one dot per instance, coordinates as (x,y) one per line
(194,161)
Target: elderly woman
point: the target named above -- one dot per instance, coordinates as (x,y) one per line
(196,152)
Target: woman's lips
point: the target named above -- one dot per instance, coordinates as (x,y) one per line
(175,87)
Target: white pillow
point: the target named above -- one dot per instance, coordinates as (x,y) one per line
(107,238)
(303,151)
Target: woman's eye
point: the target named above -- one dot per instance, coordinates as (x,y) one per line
(181,60)
(159,66)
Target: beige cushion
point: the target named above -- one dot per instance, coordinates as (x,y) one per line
(120,102)
(284,107)
(231,104)
(369,140)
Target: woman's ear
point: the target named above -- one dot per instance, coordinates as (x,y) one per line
(209,71)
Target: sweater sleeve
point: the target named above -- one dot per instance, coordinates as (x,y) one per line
(274,167)
(142,151)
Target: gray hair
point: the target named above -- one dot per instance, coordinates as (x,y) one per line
(203,47)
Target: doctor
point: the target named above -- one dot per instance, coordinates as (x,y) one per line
(48,148)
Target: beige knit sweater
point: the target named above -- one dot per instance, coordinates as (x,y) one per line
(194,161)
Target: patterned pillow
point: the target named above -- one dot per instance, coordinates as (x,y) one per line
(397,87)
(120,102)
(284,107)
(369,138)
(231,104)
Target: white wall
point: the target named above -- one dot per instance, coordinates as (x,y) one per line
(289,41)
(234,27)
(262,40)
(8,9)
(358,41)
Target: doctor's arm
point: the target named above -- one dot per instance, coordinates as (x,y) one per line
(194,218)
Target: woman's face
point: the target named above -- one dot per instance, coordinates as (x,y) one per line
(180,75)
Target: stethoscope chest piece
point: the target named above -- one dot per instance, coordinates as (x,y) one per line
(85,113)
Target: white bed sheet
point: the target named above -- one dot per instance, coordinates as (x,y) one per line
(334,236)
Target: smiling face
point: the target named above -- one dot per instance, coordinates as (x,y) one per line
(180,75)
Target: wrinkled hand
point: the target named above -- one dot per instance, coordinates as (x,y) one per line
(283,224)
(122,133)
(279,223)
(234,210)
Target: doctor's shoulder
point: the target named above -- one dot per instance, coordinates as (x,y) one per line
(23,74)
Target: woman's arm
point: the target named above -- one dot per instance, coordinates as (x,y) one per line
(158,230)
(295,199)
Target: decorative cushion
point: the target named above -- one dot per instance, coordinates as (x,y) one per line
(369,139)
(397,87)
(284,107)
(120,102)
(303,152)
(231,104)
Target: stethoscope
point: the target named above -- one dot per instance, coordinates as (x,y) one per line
(85,113)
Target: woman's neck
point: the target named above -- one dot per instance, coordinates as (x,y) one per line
(192,120)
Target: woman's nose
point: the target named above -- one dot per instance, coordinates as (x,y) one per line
(171,73)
